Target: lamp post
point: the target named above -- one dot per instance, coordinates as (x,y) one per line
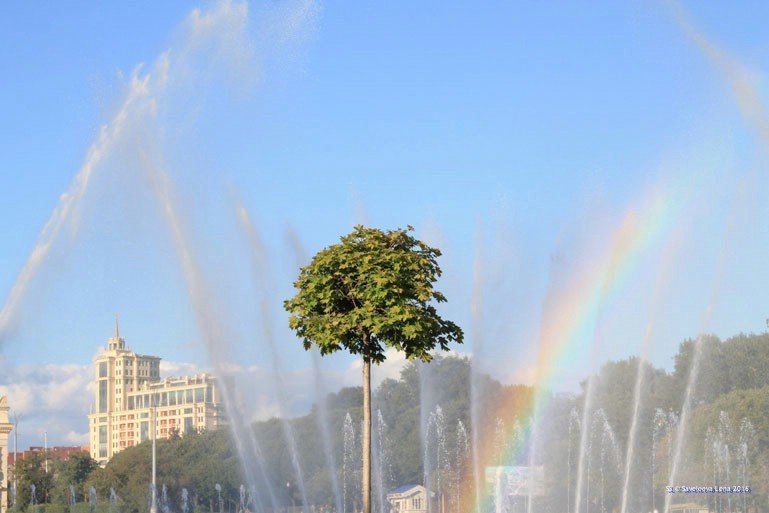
(153,414)
(15,455)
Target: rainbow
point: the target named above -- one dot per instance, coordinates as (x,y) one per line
(569,321)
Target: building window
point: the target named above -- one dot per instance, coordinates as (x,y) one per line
(102,369)
(103,395)
(103,441)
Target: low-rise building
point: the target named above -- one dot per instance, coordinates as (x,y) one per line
(131,400)
(410,498)
(56,452)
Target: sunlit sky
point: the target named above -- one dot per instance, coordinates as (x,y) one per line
(516,136)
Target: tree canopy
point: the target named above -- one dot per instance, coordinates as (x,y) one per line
(371,291)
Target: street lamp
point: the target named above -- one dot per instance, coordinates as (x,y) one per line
(15,455)
(153,414)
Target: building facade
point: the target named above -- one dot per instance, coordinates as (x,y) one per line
(5,428)
(408,499)
(54,453)
(131,400)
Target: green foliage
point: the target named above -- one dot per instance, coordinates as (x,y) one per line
(198,462)
(29,471)
(734,407)
(74,471)
(371,291)
(741,362)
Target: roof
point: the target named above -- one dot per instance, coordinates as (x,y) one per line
(404,488)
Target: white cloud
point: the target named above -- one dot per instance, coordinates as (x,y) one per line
(389,369)
(49,398)
(175,369)
(74,438)
(57,398)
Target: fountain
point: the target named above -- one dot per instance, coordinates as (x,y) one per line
(113,501)
(32,495)
(747,440)
(185,501)
(93,500)
(350,472)
(574,426)
(461,461)
(449,459)
(165,507)
(500,442)
(436,455)
(382,465)
(72,498)
(659,428)
(220,502)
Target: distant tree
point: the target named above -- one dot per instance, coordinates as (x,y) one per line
(31,471)
(372,291)
(174,433)
(74,471)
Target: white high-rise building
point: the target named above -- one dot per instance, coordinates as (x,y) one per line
(130,394)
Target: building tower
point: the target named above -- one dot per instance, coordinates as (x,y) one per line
(128,387)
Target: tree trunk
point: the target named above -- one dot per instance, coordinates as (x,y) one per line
(366,474)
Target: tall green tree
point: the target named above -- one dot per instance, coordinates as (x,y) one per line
(372,291)
(74,471)
(31,471)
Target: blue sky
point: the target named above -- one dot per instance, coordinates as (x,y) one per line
(518,134)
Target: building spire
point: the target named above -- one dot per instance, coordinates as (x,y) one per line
(117,328)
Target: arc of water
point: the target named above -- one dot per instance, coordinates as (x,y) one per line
(323,423)
(213,332)
(425,417)
(695,362)
(259,262)
(475,382)
(295,245)
(65,214)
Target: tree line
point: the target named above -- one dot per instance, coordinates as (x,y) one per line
(733,387)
